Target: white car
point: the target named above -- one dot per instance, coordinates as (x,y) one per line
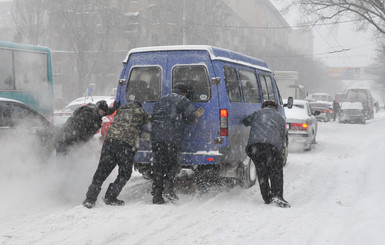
(60,117)
(352,112)
(301,124)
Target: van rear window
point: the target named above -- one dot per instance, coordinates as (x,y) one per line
(197,77)
(144,83)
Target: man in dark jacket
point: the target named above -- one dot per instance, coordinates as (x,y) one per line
(336,109)
(265,147)
(82,125)
(119,148)
(171,114)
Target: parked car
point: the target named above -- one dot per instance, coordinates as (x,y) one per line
(324,108)
(61,116)
(320,97)
(27,127)
(352,112)
(301,124)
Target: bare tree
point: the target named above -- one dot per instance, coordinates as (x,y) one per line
(84,31)
(364,12)
(30,19)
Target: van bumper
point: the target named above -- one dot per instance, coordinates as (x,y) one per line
(186,158)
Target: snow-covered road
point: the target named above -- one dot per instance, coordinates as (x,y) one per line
(336,192)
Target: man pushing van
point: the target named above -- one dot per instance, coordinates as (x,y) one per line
(265,146)
(171,114)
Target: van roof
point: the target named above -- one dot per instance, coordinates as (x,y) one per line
(214,52)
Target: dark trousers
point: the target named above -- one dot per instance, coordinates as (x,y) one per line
(269,164)
(165,166)
(114,152)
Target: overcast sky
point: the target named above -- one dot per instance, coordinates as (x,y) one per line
(359,46)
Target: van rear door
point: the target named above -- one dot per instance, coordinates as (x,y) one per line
(194,67)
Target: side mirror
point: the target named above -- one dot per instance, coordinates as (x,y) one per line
(289,103)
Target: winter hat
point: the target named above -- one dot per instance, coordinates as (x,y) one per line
(270,103)
(182,88)
(102,105)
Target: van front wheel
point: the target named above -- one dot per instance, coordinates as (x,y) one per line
(249,174)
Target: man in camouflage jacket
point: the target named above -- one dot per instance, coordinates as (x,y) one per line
(119,148)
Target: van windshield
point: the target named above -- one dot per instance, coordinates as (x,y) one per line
(144,83)
(196,76)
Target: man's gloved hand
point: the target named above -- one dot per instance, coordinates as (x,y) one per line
(199,112)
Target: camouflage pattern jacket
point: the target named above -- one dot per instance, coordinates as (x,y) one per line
(128,124)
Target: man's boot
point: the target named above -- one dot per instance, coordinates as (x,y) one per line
(169,190)
(112,193)
(157,191)
(91,196)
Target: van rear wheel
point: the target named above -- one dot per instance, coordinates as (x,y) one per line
(249,174)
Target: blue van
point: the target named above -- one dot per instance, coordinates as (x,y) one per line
(228,85)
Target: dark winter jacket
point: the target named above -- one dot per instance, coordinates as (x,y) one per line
(267,126)
(171,114)
(81,126)
(128,124)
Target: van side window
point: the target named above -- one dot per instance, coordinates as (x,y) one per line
(267,87)
(249,86)
(232,85)
(197,77)
(279,94)
(270,88)
(144,83)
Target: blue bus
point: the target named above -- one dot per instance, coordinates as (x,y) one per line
(26,75)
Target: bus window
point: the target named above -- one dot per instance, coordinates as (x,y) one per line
(31,71)
(232,85)
(197,77)
(249,86)
(6,72)
(144,83)
(26,75)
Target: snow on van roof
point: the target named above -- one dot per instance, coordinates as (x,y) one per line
(215,54)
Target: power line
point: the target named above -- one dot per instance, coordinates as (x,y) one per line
(269,27)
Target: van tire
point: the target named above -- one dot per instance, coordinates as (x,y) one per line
(249,174)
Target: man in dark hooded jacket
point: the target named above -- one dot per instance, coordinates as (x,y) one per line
(83,124)
(265,147)
(119,148)
(171,114)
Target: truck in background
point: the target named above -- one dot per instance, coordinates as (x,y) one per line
(288,83)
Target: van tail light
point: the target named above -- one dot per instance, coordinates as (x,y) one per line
(224,122)
(299,126)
